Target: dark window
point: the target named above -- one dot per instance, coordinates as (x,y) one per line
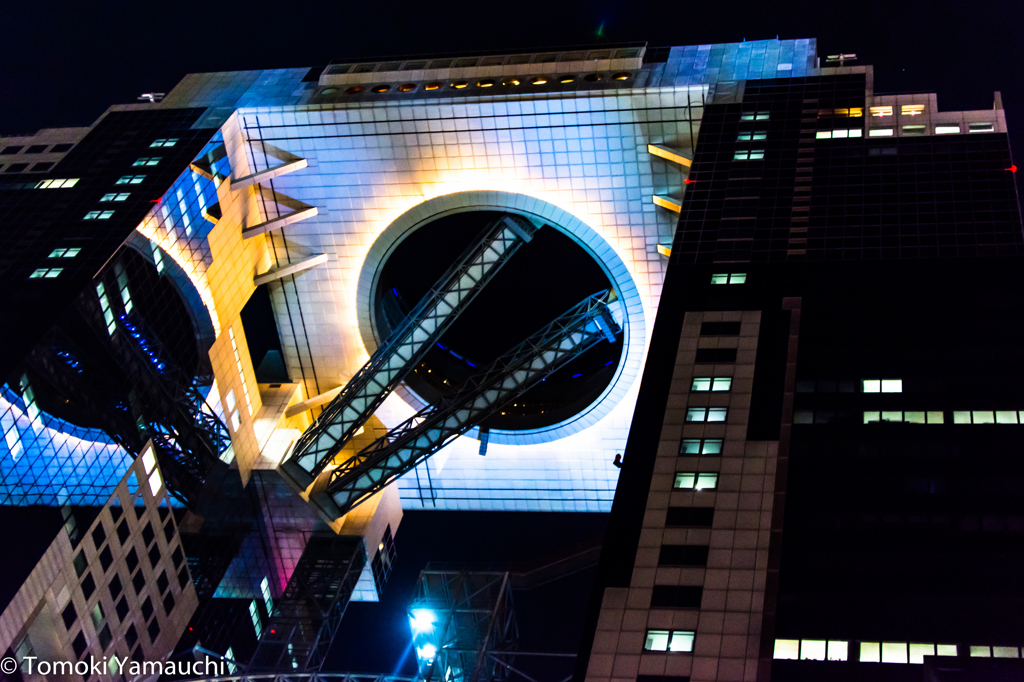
(115,587)
(88,586)
(163,512)
(79,645)
(662,678)
(36,149)
(123,532)
(138,654)
(60,148)
(162,582)
(121,608)
(148,534)
(140,510)
(98,536)
(169,603)
(138,582)
(106,558)
(13,149)
(720,329)
(183,577)
(147,609)
(42,166)
(177,556)
(683,555)
(717,355)
(105,637)
(69,615)
(80,563)
(169,532)
(16,168)
(699,517)
(676,597)
(132,559)
(154,555)
(131,635)
(153,630)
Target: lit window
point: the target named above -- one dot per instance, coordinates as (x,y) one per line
(1006,417)
(665,640)
(983,417)
(919,651)
(934,417)
(1005,652)
(912,109)
(64,253)
(881,111)
(913,130)
(961,417)
(241,375)
(872,385)
(747,137)
(169,142)
(981,652)
(754,117)
(230,656)
(711,384)
(147,161)
(265,589)
(894,652)
(46,273)
(56,183)
(880,132)
(120,196)
(838,651)
(254,614)
(155,482)
(701,446)
(752,155)
(980,128)
(892,385)
(869,653)
(807,416)
(812,650)
(158,259)
(823,134)
(729,278)
(130,180)
(945,650)
(98,215)
(947,130)
(696,481)
(122,285)
(108,314)
(914,417)
(709,414)
(787,649)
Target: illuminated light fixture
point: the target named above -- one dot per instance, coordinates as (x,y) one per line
(355,89)
(458,85)
(380,88)
(328,91)
(567,79)
(592,77)
(912,109)
(485,83)
(881,111)
(427,652)
(539,80)
(422,620)
(510,81)
(432,86)
(621,76)
(407,87)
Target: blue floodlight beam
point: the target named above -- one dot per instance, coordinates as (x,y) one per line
(425,433)
(405,348)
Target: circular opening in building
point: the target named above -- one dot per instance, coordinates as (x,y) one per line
(458,85)
(539,80)
(567,79)
(592,77)
(432,86)
(510,81)
(355,89)
(485,83)
(407,87)
(542,280)
(621,76)
(380,88)
(328,91)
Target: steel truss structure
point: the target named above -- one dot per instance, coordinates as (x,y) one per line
(306,617)
(413,441)
(405,348)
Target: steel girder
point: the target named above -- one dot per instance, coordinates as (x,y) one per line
(413,441)
(405,348)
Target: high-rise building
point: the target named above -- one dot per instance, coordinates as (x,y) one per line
(322,296)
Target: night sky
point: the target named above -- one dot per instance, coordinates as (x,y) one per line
(62,64)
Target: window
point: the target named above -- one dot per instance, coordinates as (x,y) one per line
(80,563)
(1004,652)
(122,285)
(153,630)
(169,142)
(912,109)
(56,183)
(121,196)
(711,384)
(988,417)
(880,132)
(676,597)
(16,168)
(98,215)
(882,385)
(812,650)
(61,148)
(254,614)
(947,130)
(715,355)
(980,128)
(729,278)
(701,446)
(870,652)
(106,558)
(838,134)
(177,557)
(115,586)
(683,555)
(13,149)
(852,112)
(669,640)
(706,414)
(787,649)
(147,161)
(748,155)
(881,111)
(695,517)
(913,130)
(756,135)
(122,531)
(36,149)
(64,253)
(696,481)
(88,585)
(46,273)
(79,645)
(241,375)
(906,417)
(894,652)
(754,116)
(108,314)
(130,180)
(158,259)
(168,603)
(132,560)
(69,616)
(720,329)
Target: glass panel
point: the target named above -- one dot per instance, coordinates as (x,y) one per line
(880,132)
(787,649)
(823,134)
(738,278)
(717,414)
(696,414)
(838,651)
(872,385)
(685,480)
(701,385)
(1004,652)
(935,418)
(914,417)
(946,130)
(720,278)
(812,650)
(869,652)
(690,446)
(871,417)
(890,416)
(803,417)
(707,481)
(722,384)
(980,652)
(919,651)
(712,446)
(894,652)
(983,417)
(1006,417)
(961,417)
(657,640)
(681,641)
(945,650)
(892,385)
